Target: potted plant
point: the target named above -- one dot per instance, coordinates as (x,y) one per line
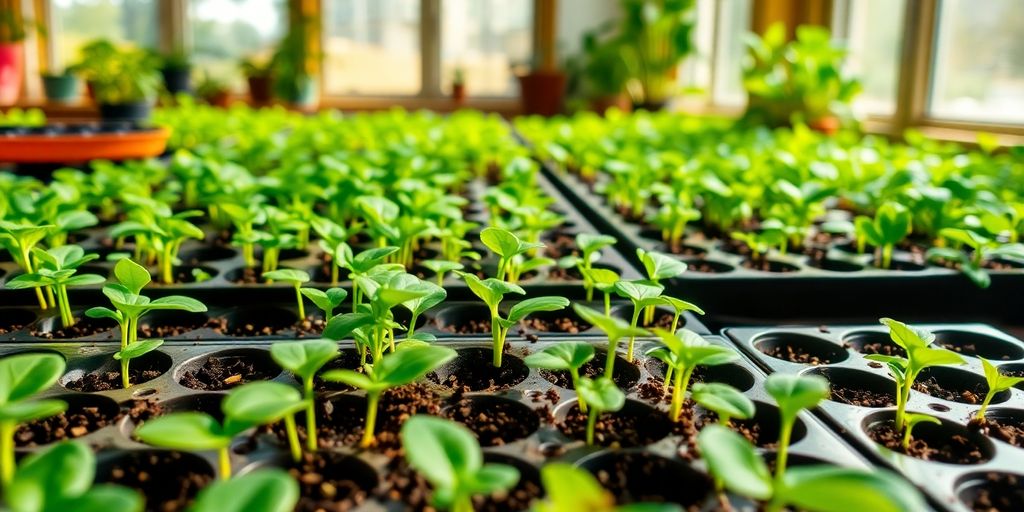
(258,75)
(126,87)
(543,88)
(294,68)
(96,58)
(176,69)
(12,33)
(213,91)
(459,86)
(61,87)
(655,36)
(604,73)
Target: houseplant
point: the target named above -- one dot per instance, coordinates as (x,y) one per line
(258,74)
(604,72)
(459,85)
(61,87)
(295,66)
(656,38)
(213,91)
(176,68)
(124,82)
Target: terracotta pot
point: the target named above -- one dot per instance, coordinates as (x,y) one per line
(603,103)
(543,92)
(829,125)
(259,89)
(459,93)
(11,71)
(220,99)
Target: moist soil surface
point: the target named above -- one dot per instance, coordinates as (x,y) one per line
(614,429)
(464,325)
(495,422)
(81,328)
(403,485)
(644,480)
(932,387)
(348,360)
(217,373)
(955,449)
(169,481)
(878,347)
(474,371)
(221,326)
(563,324)
(1001,492)
(147,330)
(861,397)
(106,381)
(248,275)
(793,354)
(768,266)
(559,245)
(323,485)
(73,423)
(1003,429)
(593,368)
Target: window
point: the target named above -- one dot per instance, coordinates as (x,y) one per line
(978,71)
(372,47)
(77,22)
(226,31)
(490,41)
(873,34)
(695,72)
(733,24)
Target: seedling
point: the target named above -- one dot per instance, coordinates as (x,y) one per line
(735,465)
(997,383)
(683,351)
(398,368)
(449,457)
(304,359)
(265,403)
(761,242)
(724,400)
(263,490)
(244,216)
(658,266)
(571,489)
(508,247)
(56,269)
(913,419)
(604,281)
(361,266)
(441,268)
(432,296)
(920,355)
(294,277)
(892,223)
(327,301)
(159,231)
(792,393)
(679,306)
(982,248)
(194,431)
(600,395)
(130,307)
(642,294)
(568,356)
(492,291)
(60,478)
(19,239)
(24,375)
(672,218)
(590,247)
(614,329)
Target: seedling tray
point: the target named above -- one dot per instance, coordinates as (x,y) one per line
(846,289)
(837,349)
(536,404)
(226,265)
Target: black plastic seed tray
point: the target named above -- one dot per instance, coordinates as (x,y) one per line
(844,287)
(653,463)
(228,283)
(954,396)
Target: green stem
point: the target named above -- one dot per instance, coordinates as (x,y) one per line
(905,396)
(412,325)
(668,376)
(886,256)
(311,431)
(462,504)
(49,297)
(7,464)
(371,419)
(293,437)
(27,263)
(298,299)
(67,320)
(502,263)
(783,451)
(632,339)
(675,321)
(574,373)
(609,363)
(607,304)
(334,274)
(224,461)
(591,422)
(906,440)
(125,378)
(984,404)
(497,340)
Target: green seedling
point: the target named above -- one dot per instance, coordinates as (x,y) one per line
(266,403)
(263,490)
(509,249)
(404,366)
(600,395)
(332,236)
(130,307)
(672,218)
(194,431)
(161,233)
(892,223)
(492,291)
(920,355)
(67,222)
(56,269)
(792,393)
(735,465)
(724,400)
(604,281)
(304,359)
(245,216)
(441,268)
(361,266)
(568,356)
(658,266)
(683,351)
(679,307)
(913,419)
(982,247)
(24,375)
(997,383)
(614,329)
(643,294)
(60,478)
(432,296)
(761,242)
(325,300)
(590,247)
(294,277)
(571,489)
(448,455)
(19,240)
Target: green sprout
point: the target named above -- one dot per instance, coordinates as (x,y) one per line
(244,216)
(509,249)
(792,393)
(56,269)
(982,247)
(679,306)
(724,400)
(362,265)
(604,281)
(326,300)
(683,351)
(403,366)
(161,233)
(997,383)
(658,266)
(910,421)
(449,457)
(263,490)
(193,431)
(601,395)
(571,489)
(266,403)
(304,359)
(432,296)
(567,356)
(614,329)
(441,268)
(25,375)
(19,239)
(735,465)
(130,307)
(294,277)
(892,223)
(590,247)
(643,295)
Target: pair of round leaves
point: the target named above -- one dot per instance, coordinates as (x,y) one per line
(21,377)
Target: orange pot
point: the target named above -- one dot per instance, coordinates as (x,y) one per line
(82,148)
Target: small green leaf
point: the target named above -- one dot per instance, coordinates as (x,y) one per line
(406,366)
(30,410)
(264,490)
(734,461)
(569,489)
(184,431)
(304,358)
(536,304)
(660,266)
(137,349)
(179,303)
(59,473)
(23,375)
(341,326)
(351,378)
(288,275)
(131,275)
(563,356)
(723,399)
(838,489)
(601,394)
(501,242)
(262,403)
(638,290)
(794,393)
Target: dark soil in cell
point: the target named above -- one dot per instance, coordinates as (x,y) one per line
(108,380)
(706,267)
(341,421)
(932,387)
(1000,492)
(495,421)
(624,374)
(310,327)
(862,397)
(464,325)
(563,324)
(245,275)
(76,422)
(331,482)
(794,354)
(142,410)
(559,245)
(224,327)
(1008,430)
(886,348)
(635,425)
(170,480)
(474,370)
(663,320)
(952,448)
(225,372)
(83,327)
(347,360)
(765,265)
(156,328)
(564,274)
(634,477)
(404,485)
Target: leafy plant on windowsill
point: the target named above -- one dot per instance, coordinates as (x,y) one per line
(25,375)
(304,359)
(130,306)
(448,455)
(56,268)
(405,365)
(655,37)
(683,351)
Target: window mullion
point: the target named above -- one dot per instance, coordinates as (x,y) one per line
(430,48)
(915,63)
